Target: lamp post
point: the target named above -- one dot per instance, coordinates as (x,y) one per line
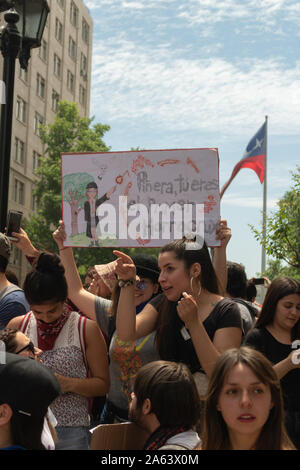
(25,23)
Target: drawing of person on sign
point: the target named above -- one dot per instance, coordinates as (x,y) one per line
(90,210)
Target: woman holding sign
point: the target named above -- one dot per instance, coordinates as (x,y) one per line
(194,323)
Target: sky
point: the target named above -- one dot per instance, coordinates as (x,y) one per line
(171,74)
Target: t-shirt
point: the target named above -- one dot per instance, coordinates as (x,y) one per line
(126,357)
(225,314)
(262,340)
(248,314)
(12,305)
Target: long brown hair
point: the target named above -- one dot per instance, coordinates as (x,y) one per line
(279,288)
(273,435)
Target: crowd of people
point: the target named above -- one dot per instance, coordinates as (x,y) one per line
(176,344)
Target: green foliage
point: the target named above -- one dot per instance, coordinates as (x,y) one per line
(282,240)
(68,133)
(276,269)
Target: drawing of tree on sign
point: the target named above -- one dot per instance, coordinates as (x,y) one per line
(74,193)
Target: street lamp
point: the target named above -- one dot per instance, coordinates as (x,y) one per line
(25,23)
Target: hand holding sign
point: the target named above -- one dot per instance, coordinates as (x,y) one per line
(223,233)
(60,235)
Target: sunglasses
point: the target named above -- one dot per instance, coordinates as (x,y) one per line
(141,285)
(29,346)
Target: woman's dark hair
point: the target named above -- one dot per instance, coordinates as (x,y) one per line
(208,277)
(279,288)
(236,280)
(251,292)
(8,336)
(3,264)
(169,324)
(172,390)
(26,431)
(46,281)
(215,435)
(11,277)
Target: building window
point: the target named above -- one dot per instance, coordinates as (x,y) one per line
(74,14)
(19,151)
(58,30)
(83,66)
(40,86)
(36,160)
(55,101)
(38,121)
(72,48)
(57,65)
(21,110)
(85,31)
(70,81)
(23,74)
(43,50)
(82,95)
(19,192)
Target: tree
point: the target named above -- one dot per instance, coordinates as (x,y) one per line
(283,227)
(68,133)
(276,269)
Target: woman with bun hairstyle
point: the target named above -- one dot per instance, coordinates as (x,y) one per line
(73,347)
(125,358)
(244,406)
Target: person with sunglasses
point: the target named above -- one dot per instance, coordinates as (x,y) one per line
(73,348)
(125,358)
(16,342)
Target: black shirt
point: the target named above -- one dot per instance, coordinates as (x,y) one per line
(225,314)
(262,340)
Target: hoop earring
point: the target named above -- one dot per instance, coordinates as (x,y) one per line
(192,289)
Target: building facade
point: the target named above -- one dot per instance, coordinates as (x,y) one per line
(60,69)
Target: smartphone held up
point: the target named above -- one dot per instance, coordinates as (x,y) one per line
(13,223)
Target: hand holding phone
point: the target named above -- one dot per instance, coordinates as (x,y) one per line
(13,224)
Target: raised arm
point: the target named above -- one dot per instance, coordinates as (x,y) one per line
(24,244)
(83,299)
(129,325)
(223,233)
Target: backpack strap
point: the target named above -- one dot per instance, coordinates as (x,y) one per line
(8,290)
(24,322)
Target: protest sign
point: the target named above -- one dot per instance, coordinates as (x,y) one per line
(140,198)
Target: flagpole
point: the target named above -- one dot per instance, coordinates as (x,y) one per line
(264,228)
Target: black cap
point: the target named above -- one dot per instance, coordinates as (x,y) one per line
(146,266)
(26,385)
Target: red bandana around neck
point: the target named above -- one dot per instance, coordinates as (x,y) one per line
(47,333)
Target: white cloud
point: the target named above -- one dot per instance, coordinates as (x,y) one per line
(236,200)
(134,82)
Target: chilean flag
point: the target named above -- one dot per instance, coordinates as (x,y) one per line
(254,157)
